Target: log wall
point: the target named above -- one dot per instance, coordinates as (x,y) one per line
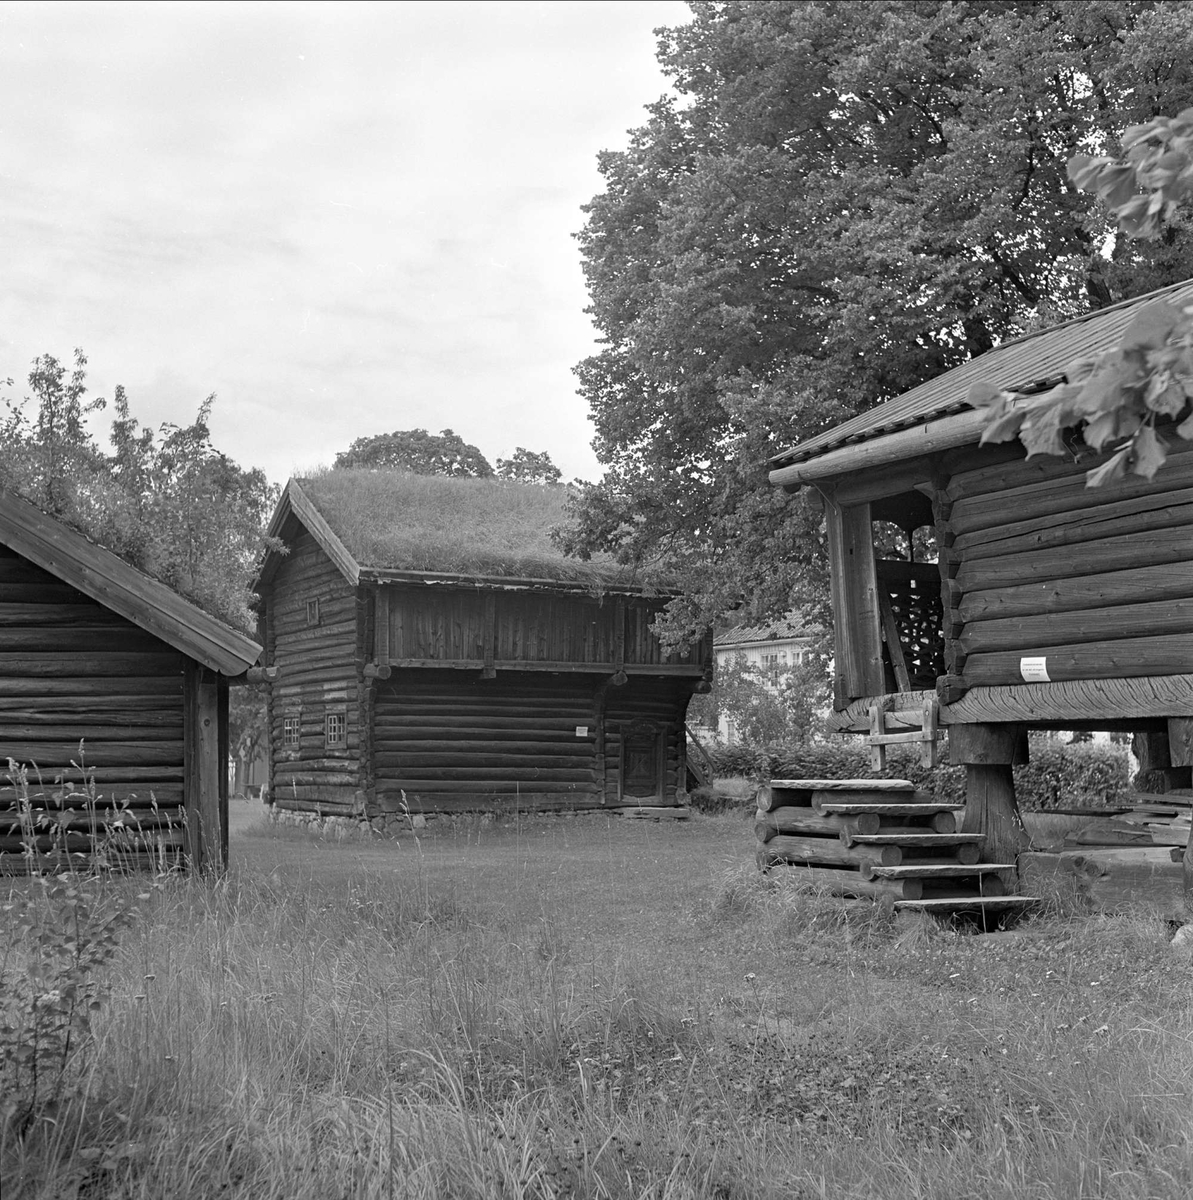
(445,742)
(450,624)
(71,672)
(317,674)
(1097,582)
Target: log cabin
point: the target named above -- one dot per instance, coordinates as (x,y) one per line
(113,707)
(983,593)
(429,651)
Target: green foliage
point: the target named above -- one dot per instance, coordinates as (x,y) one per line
(56,942)
(766,705)
(1118,398)
(844,201)
(248,722)
(419,452)
(169,503)
(528,467)
(1057,775)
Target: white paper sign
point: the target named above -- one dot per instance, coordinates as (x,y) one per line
(1034,670)
(581,730)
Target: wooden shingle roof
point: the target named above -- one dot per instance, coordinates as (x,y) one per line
(109,580)
(1023,365)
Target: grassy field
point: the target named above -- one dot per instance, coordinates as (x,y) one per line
(596,1007)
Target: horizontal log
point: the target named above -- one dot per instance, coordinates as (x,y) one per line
(839,882)
(931,437)
(1128,552)
(94,753)
(1074,703)
(90,733)
(85,614)
(113,690)
(344,794)
(103,775)
(341,762)
(1085,625)
(47,864)
(922,811)
(80,639)
(13,591)
(1044,485)
(934,870)
(314,779)
(73,665)
(1104,589)
(543,761)
(499,787)
(551,666)
(806,821)
(1123,658)
(510,740)
(72,842)
(326,807)
(487,775)
(51,711)
(830,851)
(1092,522)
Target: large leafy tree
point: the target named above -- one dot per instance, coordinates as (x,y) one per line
(417,451)
(840,201)
(166,501)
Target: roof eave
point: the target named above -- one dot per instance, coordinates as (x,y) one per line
(885,449)
(109,580)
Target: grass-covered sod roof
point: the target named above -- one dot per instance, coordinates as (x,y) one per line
(392,520)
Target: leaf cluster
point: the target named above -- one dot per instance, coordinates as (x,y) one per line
(1115,399)
(166,501)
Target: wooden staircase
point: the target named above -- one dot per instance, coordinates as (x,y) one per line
(881,838)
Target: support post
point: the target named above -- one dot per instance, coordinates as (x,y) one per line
(205,787)
(988,753)
(1163,762)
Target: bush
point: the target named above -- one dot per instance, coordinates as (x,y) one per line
(1057,775)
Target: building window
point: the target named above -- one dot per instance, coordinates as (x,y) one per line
(312,612)
(335,730)
(291,731)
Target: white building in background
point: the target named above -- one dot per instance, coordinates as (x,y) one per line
(775,647)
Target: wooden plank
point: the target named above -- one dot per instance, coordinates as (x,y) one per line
(885,810)
(1123,553)
(1084,625)
(921,839)
(1124,658)
(854,585)
(95,753)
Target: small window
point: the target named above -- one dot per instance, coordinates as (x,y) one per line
(312,612)
(335,730)
(291,731)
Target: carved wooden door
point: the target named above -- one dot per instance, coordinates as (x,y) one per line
(641,762)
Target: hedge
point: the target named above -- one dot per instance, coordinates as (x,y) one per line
(1057,775)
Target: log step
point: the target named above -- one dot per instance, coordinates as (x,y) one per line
(845,785)
(952,904)
(918,839)
(934,870)
(883,809)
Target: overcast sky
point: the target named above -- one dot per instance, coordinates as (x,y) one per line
(342,219)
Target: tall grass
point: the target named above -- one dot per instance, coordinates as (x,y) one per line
(606,1010)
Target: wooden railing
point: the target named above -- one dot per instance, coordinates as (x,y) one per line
(699,764)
